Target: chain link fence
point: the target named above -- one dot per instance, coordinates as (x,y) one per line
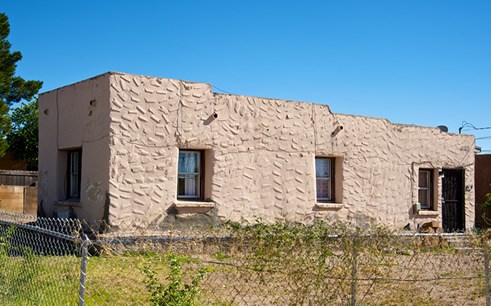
(39,260)
(48,261)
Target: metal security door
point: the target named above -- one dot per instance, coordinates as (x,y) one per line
(453,200)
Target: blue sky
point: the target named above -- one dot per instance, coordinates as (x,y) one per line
(416,62)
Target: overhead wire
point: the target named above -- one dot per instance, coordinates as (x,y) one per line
(224,91)
(467,126)
(471,126)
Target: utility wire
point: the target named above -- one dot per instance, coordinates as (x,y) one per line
(471,126)
(224,91)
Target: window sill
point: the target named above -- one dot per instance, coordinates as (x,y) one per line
(72,203)
(428,213)
(188,207)
(328,206)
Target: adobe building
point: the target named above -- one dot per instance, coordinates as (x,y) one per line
(138,150)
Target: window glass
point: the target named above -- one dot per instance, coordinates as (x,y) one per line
(424,197)
(324,181)
(189,162)
(189,175)
(424,179)
(425,188)
(323,189)
(74,173)
(322,167)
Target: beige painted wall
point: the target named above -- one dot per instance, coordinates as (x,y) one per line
(263,153)
(260,155)
(67,120)
(19,199)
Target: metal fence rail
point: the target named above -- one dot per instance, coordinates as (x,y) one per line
(50,261)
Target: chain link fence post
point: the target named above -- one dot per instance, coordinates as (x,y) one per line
(83,270)
(354,272)
(486,273)
(45,261)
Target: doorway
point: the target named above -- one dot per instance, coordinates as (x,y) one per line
(453,217)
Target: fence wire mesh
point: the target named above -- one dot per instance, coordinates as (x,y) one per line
(40,262)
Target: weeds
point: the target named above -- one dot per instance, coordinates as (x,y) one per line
(175,291)
(281,264)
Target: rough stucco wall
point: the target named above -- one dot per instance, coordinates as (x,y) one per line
(263,153)
(381,166)
(68,121)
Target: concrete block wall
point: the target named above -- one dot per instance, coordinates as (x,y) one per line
(19,199)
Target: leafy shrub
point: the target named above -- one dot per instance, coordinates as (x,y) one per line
(176,291)
(487,203)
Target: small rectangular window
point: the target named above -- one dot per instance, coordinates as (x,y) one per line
(324,175)
(425,188)
(190,175)
(74,171)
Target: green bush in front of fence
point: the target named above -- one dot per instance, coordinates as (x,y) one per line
(175,291)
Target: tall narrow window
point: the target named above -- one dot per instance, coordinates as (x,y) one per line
(74,168)
(190,174)
(324,179)
(425,188)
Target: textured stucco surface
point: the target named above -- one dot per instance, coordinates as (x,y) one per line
(260,156)
(67,121)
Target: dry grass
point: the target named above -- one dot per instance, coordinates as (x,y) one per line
(427,278)
(268,265)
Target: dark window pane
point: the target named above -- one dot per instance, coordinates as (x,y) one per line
(323,189)
(424,178)
(425,186)
(74,173)
(189,174)
(423,198)
(188,186)
(324,181)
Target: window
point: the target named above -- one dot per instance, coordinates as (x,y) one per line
(190,175)
(324,175)
(425,188)
(74,171)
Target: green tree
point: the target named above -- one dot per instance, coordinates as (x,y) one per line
(23,136)
(487,202)
(12,88)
